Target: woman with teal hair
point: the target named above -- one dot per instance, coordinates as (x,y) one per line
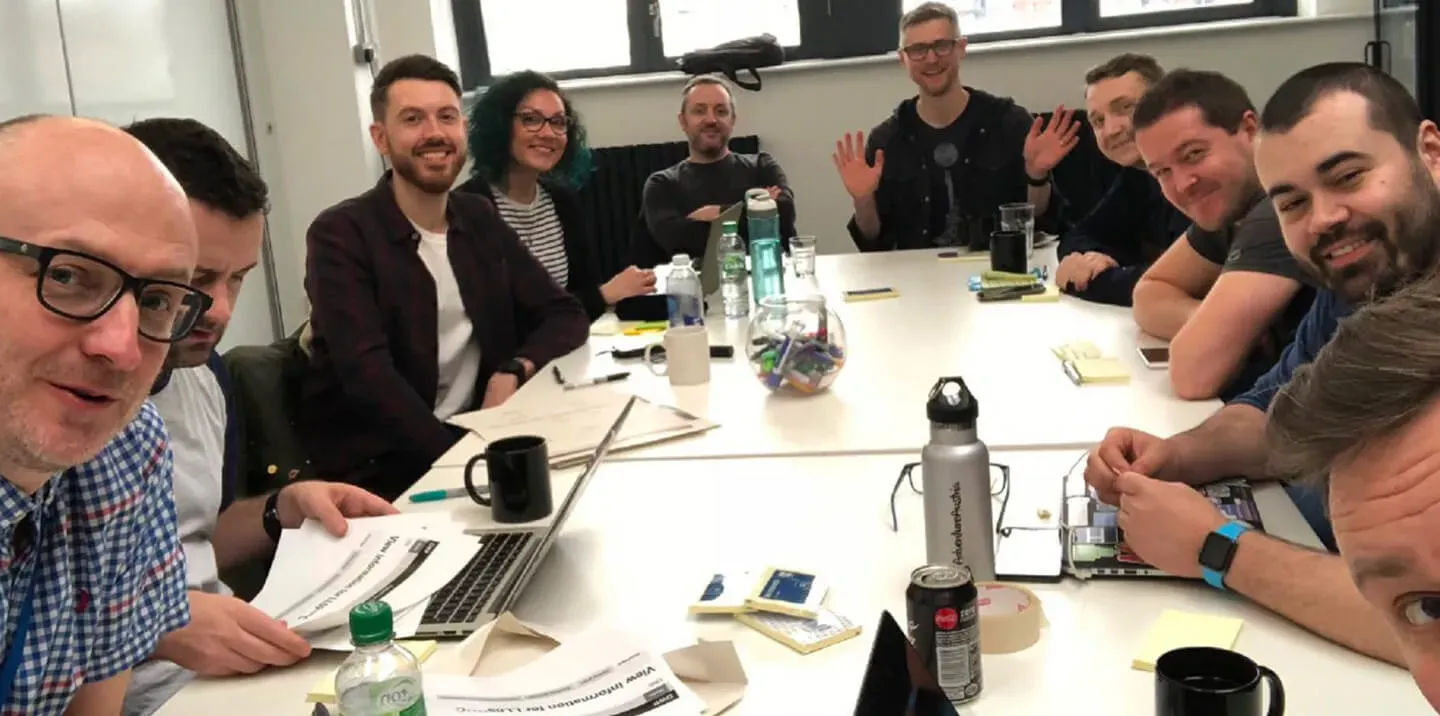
(530,160)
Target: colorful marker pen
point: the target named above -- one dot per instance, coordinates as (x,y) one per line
(438,495)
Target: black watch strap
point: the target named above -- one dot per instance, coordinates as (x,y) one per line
(1032,181)
(514,367)
(270,518)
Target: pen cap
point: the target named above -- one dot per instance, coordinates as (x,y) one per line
(952,403)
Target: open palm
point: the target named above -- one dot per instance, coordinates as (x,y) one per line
(860,178)
(1046,145)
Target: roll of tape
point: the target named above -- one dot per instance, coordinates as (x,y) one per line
(1010,617)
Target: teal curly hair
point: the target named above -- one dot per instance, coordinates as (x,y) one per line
(491,122)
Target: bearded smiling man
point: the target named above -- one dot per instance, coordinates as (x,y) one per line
(1352,169)
(393,277)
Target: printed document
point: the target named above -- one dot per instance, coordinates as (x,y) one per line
(599,673)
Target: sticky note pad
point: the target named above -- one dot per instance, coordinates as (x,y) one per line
(788,591)
(1101,370)
(870,294)
(1051,295)
(1176,629)
(323,692)
(802,635)
(1076,350)
(725,594)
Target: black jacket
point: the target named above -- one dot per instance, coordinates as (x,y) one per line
(1133,224)
(993,151)
(583,282)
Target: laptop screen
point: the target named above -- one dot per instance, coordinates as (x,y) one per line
(896,681)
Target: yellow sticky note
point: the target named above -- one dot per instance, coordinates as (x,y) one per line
(323,692)
(1176,629)
(1076,350)
(1051,295)
(1101,370)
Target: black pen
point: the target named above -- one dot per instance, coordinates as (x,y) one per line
(613,377)
(558,378)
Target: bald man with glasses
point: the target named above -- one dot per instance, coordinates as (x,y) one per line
(96,257)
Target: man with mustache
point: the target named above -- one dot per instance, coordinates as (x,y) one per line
(936,172)
(96,252)
(225,636)
(1229,297)
(1352,169)
(681,201)
(1103,257)
(424,303)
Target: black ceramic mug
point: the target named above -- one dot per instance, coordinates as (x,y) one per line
(518,471)
(1204,681)
(1008,252)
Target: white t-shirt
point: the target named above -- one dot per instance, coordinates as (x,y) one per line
(539,228)
(459,364)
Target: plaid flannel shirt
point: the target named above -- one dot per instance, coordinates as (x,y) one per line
(100,539)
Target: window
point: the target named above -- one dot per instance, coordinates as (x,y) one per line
(592,38)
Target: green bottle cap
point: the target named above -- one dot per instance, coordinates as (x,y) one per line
(371,623)
(730,226)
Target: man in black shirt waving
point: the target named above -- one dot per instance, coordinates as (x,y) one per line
(681,201)
(936,172)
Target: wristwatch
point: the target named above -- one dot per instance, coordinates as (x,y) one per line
(1219,550)
(513,367)
(270,518)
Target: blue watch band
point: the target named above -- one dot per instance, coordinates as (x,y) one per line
(1230,530)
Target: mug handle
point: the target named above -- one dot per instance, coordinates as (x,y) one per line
(651,364)
(470,481)
(1277,692)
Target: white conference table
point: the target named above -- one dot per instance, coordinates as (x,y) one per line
(898,348)
(638,550)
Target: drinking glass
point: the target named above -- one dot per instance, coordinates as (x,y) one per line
(802,256)
(1020,217)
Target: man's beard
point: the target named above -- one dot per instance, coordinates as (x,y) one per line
(1407,254)
(701,146)
(407,166)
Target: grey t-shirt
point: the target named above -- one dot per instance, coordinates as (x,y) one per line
(671,195)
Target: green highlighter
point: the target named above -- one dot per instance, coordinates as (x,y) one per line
(438,495)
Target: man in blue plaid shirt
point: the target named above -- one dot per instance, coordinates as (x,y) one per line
(96,253)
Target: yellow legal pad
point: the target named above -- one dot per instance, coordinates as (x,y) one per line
(1176,629)
(323,692)
(1051,295)
(1101,370)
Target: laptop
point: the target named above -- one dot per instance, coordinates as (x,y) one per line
(496,576)
(1097,544)
(710,263)
(896,682)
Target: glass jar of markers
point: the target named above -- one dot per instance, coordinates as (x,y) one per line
(796,344)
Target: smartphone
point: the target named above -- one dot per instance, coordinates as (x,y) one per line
(1156,358)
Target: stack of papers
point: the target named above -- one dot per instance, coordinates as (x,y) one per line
(316,579)
(574,427)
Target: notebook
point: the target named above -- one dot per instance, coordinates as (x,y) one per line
(802,635)
(1176,629)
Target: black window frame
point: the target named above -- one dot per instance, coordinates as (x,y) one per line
(840,29)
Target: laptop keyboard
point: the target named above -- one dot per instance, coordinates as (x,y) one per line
(470,591)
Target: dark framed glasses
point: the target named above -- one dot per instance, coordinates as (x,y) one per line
(82,287)
(533,121)
(941,48)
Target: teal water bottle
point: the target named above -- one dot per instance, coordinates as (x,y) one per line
(767,267)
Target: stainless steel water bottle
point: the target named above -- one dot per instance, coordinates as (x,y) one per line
(955,477)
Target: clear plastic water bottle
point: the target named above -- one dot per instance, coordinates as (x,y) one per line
(767,263)
(734,288)
(380,678)
(685,297)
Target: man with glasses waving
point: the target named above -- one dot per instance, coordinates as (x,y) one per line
(226,636)
(95,265)
(936,172)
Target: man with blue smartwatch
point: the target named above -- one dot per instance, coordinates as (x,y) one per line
(1354,172)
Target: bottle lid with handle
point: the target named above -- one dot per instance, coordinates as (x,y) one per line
(371,623)
(680,260)
(952,403)
(758,199)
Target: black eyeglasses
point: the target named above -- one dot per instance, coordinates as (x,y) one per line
(941,48)
(82,287)
(533,121)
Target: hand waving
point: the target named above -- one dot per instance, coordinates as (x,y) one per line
(860,178)
(1045,146)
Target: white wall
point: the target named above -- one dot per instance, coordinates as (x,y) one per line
(802,110)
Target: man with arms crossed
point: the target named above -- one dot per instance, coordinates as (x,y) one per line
(1103,257)
(225,636)
(1228,297)
(940,167)
(681,201)
(96,249)
(1352,169)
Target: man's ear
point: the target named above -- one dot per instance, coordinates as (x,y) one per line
(377,136)
(1427,142)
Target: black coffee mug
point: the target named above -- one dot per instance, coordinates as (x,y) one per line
(1204,681)
(518,471)
(1008,252)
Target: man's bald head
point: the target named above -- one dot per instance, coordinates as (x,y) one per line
(68,386)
